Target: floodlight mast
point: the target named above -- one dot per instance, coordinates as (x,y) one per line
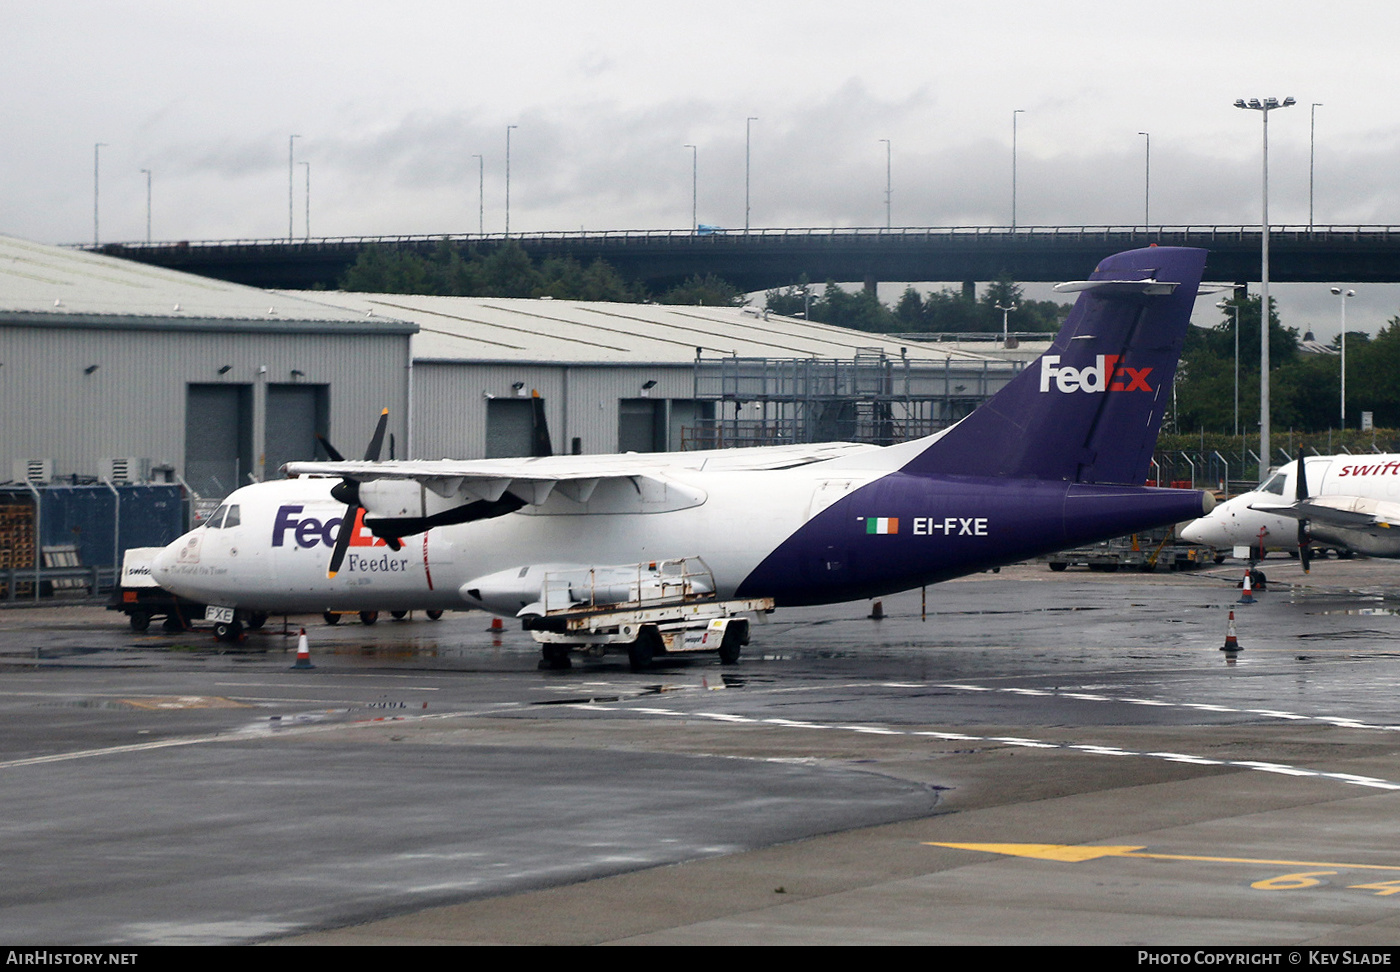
(1264,106)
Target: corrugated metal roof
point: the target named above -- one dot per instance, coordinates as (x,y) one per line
(507,329)
(53,284)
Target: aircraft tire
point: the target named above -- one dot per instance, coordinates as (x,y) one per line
(139,620)
(331,617)
(1057,565)
(398,615)
(172,624)
(555,658)
(369,617)
(228,631)
(256,620)
(434,615)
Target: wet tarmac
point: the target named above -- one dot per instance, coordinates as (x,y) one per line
(1047,758)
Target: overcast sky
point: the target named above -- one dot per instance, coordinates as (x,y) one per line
(391,102)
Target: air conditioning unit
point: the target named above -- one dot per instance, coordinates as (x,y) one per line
(124,469)
(32,470)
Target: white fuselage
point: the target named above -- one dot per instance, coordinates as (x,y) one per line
(275,558)
(1361,481)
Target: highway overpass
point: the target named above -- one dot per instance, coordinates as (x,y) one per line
(767,258)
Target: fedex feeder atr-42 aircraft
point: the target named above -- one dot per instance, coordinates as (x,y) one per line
(665,552)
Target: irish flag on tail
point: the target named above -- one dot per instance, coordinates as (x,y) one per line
(881,524)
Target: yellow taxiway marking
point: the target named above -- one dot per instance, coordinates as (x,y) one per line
(1075,853)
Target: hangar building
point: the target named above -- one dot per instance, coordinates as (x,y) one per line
(655,377)
(122,372)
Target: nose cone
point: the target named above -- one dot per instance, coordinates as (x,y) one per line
(166,566)
(1197,531)
(162,567)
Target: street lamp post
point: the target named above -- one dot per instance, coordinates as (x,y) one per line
(1005,334)
(887,182)
(308,201)
(1018,111)
(1264,106)
(96,149)
(1312,155)
(748,141)
(1147,184)
(148,204)
(1343,296)
(508,128)
(291,186)
(694,185)
(1227,305)
(480,195)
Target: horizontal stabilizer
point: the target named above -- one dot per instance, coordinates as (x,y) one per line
(1119,286)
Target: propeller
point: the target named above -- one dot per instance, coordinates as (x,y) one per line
(347,491)
(1300,493)
(331,452)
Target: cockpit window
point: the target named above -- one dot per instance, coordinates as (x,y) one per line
(1274,485)
(224,517)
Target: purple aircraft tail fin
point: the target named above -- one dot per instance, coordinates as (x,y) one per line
(1089,409)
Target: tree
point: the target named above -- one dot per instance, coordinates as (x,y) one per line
(909,311)
(706,291)
(505,271)
(1371,371)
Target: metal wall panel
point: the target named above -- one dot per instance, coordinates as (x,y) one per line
(55,404)
(581,401)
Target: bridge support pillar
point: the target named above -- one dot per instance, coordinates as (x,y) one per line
(970,290)
(871,284)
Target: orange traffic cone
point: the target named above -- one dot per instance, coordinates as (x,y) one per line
(303,653)
(1231,642)
(497,626)
(1247,589)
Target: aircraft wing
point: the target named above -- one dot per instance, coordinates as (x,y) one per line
(422,493)
(573,468)
(1344,512)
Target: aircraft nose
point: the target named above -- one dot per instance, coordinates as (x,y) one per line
(1194,532)
(162,564)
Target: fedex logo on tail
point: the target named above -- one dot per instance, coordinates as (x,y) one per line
(1106,374)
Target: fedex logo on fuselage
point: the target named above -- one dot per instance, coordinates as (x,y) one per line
(309,531)
(1105,375)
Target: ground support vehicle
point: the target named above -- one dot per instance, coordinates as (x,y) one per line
(648,610)
(142,600)
(1145,552)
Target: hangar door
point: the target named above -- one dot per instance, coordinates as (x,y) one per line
(658,424)
(295,414)
(218,437)
(516,427)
